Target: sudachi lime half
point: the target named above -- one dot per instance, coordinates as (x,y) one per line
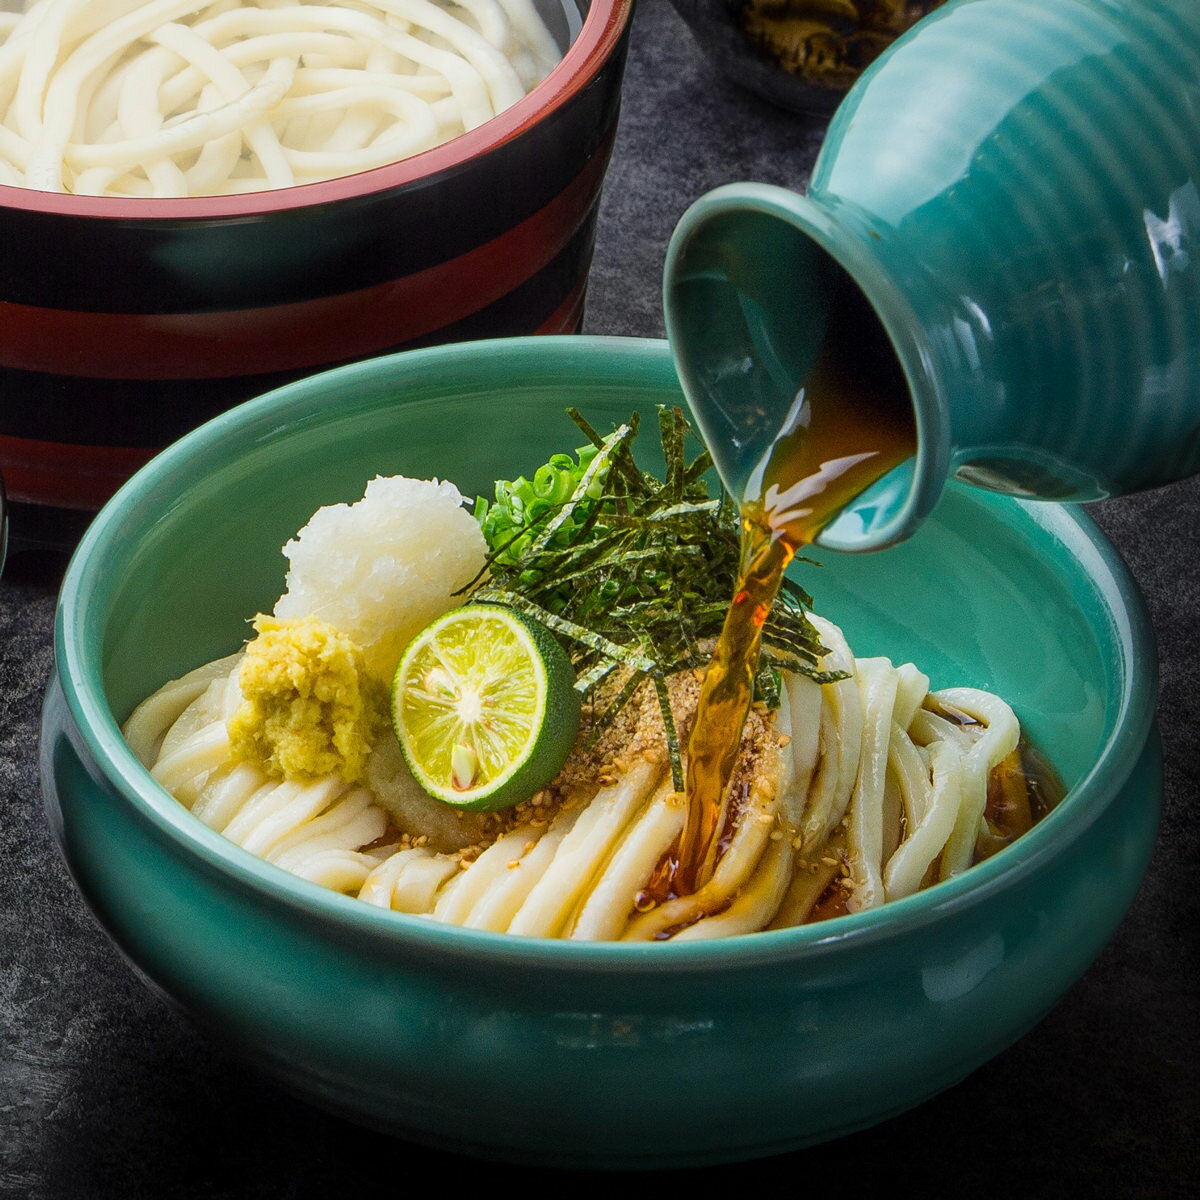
(484,706)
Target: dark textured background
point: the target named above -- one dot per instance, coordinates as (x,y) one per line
(106,1093)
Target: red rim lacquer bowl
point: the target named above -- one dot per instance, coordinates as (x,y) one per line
(126,322)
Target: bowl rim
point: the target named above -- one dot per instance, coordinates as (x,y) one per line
(601,31)
(1123,619)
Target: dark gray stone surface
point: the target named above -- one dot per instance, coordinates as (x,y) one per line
(107,1094)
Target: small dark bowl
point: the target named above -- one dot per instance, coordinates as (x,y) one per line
(125,323)
(736,55)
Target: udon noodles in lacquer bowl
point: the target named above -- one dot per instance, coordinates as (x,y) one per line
(405,968)
(202,201)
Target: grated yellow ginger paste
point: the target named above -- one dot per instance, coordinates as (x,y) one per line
(311,708)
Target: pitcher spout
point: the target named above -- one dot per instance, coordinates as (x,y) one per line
(760,286)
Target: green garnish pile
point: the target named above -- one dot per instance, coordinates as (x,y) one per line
(632,571)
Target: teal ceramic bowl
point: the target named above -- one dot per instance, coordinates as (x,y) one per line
(598,1055)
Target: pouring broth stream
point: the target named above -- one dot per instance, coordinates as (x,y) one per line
(850,425)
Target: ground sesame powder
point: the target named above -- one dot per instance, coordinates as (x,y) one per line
(635,733)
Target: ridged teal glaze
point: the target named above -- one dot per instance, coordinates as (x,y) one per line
(565,1053)
(1014,185)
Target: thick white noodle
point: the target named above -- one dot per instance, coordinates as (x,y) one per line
(318,831)
(50,127)
(533,33)
(604,913)
(408,881)
(495,907)
(928,836)
(756,828)
(877,682)
(230,85)
(210,97)
(138,115)
(752,908)
(997,740)
(583,853)
(809,882)
(866,783)
(800,712)
(840,738)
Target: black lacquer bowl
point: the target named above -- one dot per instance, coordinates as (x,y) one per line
(125,323)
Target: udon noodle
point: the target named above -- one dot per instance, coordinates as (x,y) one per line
(211,97)
(857,792)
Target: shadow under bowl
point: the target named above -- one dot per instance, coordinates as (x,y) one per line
(126,322)
(550,1052)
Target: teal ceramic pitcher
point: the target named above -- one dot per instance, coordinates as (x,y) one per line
(1013,188)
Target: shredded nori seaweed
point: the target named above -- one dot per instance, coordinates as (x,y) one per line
(632,572)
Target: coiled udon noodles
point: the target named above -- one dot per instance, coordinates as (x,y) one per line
(211,97)
(864,784)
